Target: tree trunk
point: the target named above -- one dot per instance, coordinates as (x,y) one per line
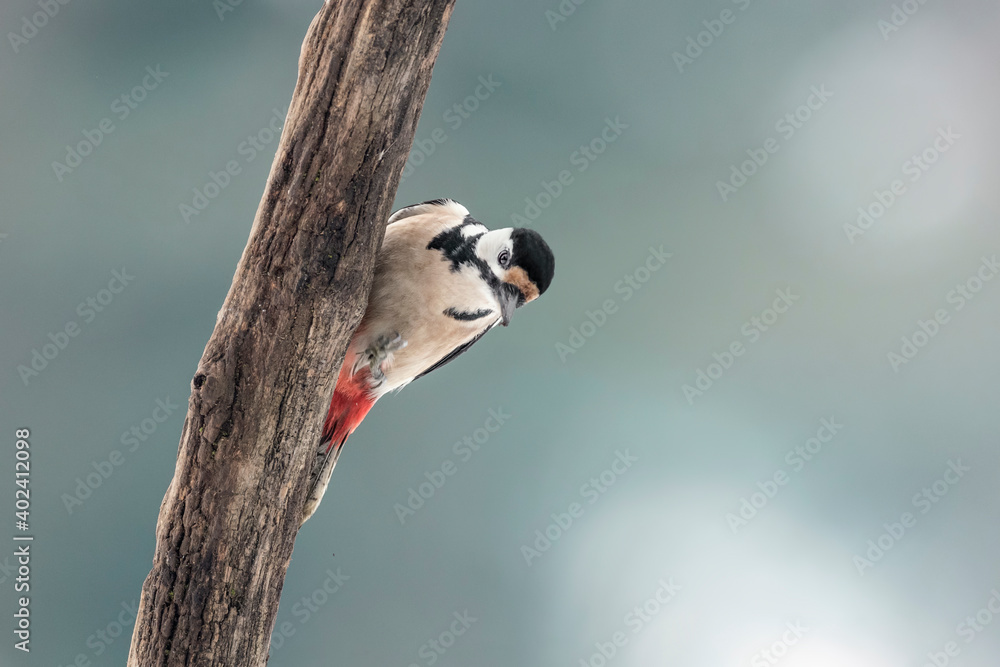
(229,519)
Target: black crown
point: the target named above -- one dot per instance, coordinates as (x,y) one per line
(533,254)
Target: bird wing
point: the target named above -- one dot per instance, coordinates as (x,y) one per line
(434,205)
(457,351)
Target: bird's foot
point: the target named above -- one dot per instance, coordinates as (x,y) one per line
(377,353)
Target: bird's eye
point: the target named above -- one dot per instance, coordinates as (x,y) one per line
(504,258)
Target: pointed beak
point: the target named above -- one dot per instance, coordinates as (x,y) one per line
(508,304)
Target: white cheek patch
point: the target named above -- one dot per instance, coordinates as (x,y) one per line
(473,230)
(489,247)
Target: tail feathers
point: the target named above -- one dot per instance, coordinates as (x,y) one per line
(348,408)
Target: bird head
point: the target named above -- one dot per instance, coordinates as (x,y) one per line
(523,263)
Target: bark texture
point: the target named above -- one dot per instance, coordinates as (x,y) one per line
(228,522)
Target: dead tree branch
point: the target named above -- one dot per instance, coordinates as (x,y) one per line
(228,522)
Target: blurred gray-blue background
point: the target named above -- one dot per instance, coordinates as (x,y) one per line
(740,136)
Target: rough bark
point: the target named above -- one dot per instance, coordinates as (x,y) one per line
(228,522)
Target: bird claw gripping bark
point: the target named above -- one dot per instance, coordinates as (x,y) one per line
(377,353)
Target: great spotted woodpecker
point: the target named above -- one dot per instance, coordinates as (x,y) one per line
(442,280)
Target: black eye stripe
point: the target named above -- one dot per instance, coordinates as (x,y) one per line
(460,250)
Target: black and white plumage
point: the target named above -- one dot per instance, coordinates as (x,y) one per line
(442,280)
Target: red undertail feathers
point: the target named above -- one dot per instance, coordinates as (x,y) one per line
(351,402)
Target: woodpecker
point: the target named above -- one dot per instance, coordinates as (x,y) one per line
(442,280)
